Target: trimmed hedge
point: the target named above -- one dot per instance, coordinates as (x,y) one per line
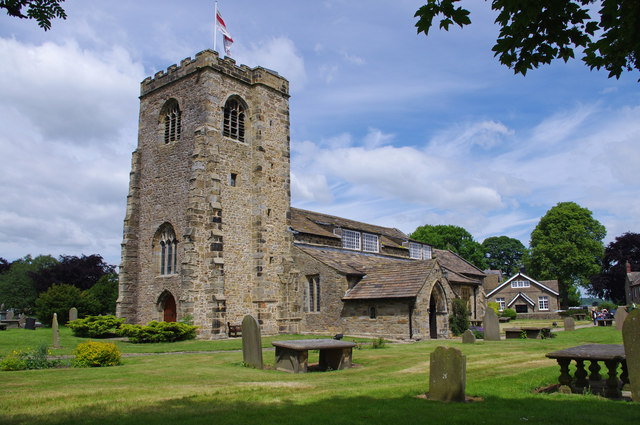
(510,313)
(96,354)
(158,332)
(96,326)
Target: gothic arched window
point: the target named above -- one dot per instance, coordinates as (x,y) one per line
(234,117)
(171,117)
(166,250)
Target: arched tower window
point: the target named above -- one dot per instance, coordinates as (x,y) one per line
(171,117)
(166,250)
(234,118)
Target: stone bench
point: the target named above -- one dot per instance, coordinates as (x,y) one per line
(293,355)
(234,330)
(504,319)
(531,333)
(604,322)
(11,323)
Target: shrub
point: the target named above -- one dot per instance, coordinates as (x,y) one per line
(459,319)
(96,326)
(608,305)
(495,306)
(478,331)
(158,332)
(57,299)
(510,313)
(105,292)
(378,343)
(96,354)
(29,359)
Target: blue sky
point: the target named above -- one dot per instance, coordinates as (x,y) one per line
(387,126)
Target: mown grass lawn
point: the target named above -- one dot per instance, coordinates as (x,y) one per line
(214,388)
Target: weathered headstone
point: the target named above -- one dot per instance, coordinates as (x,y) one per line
(491,326)
(56,331)
(251,342)
(569,324)
(73,314)
(631,339)
(30,323)
(468,337)
(621,315)
(447,374)
(22,320)
(10,315)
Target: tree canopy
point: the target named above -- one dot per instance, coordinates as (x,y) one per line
(16,287)
(503,253)
(609,284)
(81,272)
(566,245)
(455,238)
(534,33)
(43,11)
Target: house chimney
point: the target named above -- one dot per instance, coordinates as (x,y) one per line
(628,267)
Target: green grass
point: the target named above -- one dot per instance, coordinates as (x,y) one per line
(214,388)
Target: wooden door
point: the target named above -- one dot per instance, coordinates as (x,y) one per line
(170,312)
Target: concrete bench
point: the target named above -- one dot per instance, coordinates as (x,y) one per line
(530,332)
(293,355)
(604,322)
(504,319)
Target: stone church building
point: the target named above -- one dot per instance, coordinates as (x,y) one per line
(210,234)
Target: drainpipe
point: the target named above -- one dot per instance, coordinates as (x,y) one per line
(410,321)
(475,303)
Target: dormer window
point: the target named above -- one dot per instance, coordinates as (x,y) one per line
(350,239)
(370,242)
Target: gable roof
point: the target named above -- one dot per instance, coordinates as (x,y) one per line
(382,277)
(524,297)
(634,278)
(310,222)
(453,262)
(545,287)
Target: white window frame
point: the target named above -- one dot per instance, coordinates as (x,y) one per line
(520,284)
(543,303)
(351,240)
(502,303)
(415,251)
(370,242)
(426,252)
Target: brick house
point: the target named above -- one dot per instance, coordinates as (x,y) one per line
(528,297)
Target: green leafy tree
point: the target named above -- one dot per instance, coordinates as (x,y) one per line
(503,253)
(43,11)
(534,33)
(566,245)
(455,238)
(609,284)
(459,319)
(17,289)
(57,299)
(82,272)
(105,292)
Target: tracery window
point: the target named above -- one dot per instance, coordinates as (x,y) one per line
(167,250)
(172,122)
(234,117)
(313,293)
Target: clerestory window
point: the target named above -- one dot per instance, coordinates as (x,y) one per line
(234,119)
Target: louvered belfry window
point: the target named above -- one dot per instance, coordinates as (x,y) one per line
(172,124)
(234,120)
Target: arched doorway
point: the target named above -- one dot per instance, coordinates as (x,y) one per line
(167,304)
(437,310)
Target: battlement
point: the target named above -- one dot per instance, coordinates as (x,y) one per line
(210,59)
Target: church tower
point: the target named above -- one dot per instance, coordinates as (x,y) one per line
(206,227)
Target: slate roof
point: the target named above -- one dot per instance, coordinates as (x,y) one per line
(453,262)
(549,285)
(310,222)
(634,278)
(382,277)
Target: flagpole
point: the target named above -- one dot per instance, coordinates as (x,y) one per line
(215,26)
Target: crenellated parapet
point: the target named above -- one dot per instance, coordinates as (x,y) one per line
(210,59)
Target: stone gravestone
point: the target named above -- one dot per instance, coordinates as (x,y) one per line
(251,342)
(468,337)
(30,323)
(22,320)
(56,331)
(447,374)
(10,315)
(569,324)
(491,326)
(631,339)
(73,314)
(621,315)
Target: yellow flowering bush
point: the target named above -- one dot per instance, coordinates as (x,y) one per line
(29,359)
(96,354)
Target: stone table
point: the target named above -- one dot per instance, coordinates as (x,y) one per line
(293,355)
(611,354)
